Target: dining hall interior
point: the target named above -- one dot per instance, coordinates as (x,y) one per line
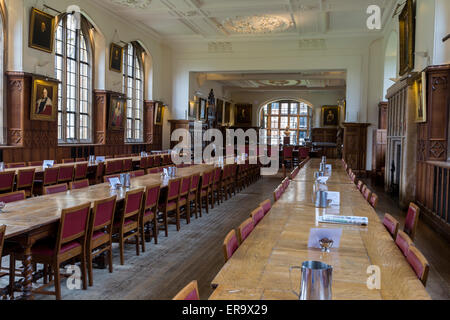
(119,179)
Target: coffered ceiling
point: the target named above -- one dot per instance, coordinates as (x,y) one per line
(173,20)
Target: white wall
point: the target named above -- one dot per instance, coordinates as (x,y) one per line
(441,54)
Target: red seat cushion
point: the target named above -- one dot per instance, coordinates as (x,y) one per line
(48,248)
(98,234)
(126,223)
(169,205)
(148,213)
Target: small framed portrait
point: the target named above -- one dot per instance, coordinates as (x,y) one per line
(407,36)
(116,58)
(44,100)
(420,89)
(193,110)
(243,115)
(330,115)
(159,113)
(42,31)
(203,109)
(227,112)
(117,111)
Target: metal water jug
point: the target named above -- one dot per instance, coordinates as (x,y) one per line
(315,282)
(320,196)
(127,180)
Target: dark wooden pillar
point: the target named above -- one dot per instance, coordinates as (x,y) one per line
(100,116)
(149,116)
(355,145)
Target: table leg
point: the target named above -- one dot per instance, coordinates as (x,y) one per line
(27,275)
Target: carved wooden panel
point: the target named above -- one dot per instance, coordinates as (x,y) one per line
(355,144)
(100,116)
(324,135)
(149,107)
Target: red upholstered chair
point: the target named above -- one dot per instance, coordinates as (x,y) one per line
(143,163)
(257,215)
(193,194)
(205,190)
(128,225)
(230,245)
(81,170)
(183,201)
(190,292)
(68,161)
(149,212)
(16,165)
(277,194)
(411,221)
(25,181)
(127,165)
(137,173)
(360,185)
(419,263)
(373,200)
(100,233)
(12,197)
(55,189)
(288,154)
(303,153)
(366,193)
(403,241)
(2,239)
(110,168)
(81,184)
(7,181)
(70,243)
(99,172)
(35,163)
(245,229)
(391,225)
(150,162)
(80,159)
(216,186)
(65,174)
(266,205)
(152,171)
(166,159)
(118,166)
(170,202)
(50,178)
(107,178)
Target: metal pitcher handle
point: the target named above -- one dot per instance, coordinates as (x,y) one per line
(290,280)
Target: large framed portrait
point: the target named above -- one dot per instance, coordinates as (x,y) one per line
(44,100)
(42,31)
(243,115)
(203,109)
(420,87)
(116,58)
(117,111)
(159,113)
(220,109)
(330,116)
(407,37)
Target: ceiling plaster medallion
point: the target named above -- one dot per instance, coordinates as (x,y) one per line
(257,24)
(138,4)
(280,83)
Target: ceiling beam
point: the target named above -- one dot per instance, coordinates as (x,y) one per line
(286,88)
(273,76)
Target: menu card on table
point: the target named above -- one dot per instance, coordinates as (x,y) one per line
(48,163)
(361,221)
(335,198)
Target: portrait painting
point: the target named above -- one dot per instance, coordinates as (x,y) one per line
(243,115)
(116,58)
(330,115)
(227,112)
(219,111)
(407,37)
(42,30)
(44,100)
(203,109)
(118,107)
(159,113)
(421,98)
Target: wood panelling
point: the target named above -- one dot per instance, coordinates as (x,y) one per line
(177,124)
(324,135)
(382,115)
(355,144)
(38,140)
(433,171)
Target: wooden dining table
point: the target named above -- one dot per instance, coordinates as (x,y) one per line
(36,218)
(259,269)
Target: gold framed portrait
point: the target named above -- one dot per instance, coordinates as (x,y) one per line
(330,116)
(44,100)
(42,31)
(420,92)
(116,58)
(117,112)
(159,113)
(407,36)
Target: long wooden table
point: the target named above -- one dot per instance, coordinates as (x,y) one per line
(259,269)
(33,219)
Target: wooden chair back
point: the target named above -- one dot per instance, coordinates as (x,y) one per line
(230,245)
(7,181)
(190,292)
(266,205)
(373,200)
(12,197)
(137,173)
(419,263)
(25,179)
(403,241)
(75,185)
(102,216)
(73,225)
(257,215)
(80,171)
(107,178)
(35,163)
(16,165)
(391,225)
(51,176)
(66,173)
(55,189)
(65,161)
(133,204)
(185,186)
(127,165)
(411,221)
(245,229)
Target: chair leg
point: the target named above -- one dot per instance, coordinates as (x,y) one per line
(90,273)
(142,228)
(83,269)
(121,244)
(12,274)
(57,282)
(110,258)
(188,212)
(166,224)
(155,230)
(137,242)
(178,218)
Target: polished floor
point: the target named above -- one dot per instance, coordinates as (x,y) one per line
(196,253)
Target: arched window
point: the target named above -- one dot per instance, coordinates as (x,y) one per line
(73,69)
(133,88)
(277,116)
(2,64)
